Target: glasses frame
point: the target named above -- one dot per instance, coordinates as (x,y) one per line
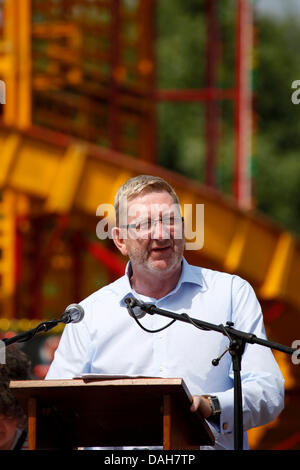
(134,226)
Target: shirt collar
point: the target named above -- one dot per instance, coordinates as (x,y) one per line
(189,275)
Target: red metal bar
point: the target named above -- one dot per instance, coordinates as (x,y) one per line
(147,59)
(35,304)
(211,106)
(114,117)
(40,264)
(288,443)
(195,95)
(19,261)
(105,255)
(153,79)
(241,184)
(274,312)
(118,159)
(77,271)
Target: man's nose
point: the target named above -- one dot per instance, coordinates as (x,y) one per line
(160,231)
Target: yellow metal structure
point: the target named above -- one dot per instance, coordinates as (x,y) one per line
(11,205)
(7,261)
(15,62)
(67,179)
(79,176)
(76,177)
(65,71)
(8,61)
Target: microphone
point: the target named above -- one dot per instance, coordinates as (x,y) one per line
(134,310)
(74,313)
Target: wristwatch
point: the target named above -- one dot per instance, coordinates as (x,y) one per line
(215,405)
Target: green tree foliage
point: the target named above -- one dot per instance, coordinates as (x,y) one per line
(181,56)
(277,171)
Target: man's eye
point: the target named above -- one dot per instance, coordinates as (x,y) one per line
(168,221)
(143,225)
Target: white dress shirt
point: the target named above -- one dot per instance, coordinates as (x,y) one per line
(109,341)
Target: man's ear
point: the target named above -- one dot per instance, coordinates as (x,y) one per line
(119,240)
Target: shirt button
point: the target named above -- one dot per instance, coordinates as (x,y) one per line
(225,426)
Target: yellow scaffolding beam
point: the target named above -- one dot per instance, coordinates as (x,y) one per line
(79,176)
(15,62)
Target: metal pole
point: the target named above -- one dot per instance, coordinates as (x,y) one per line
(114,112)
(242,183)
(211,106)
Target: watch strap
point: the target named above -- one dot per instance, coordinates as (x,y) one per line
(215,405)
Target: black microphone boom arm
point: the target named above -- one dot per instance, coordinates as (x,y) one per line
(74,313)
(237,341)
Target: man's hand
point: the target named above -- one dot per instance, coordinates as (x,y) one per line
(201,402)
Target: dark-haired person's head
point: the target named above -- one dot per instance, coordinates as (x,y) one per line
(12,417)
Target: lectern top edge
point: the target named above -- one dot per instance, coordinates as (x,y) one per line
(90,413)
(99,381)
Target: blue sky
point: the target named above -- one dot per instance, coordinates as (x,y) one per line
(278,7)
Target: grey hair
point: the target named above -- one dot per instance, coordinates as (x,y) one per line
(141,184)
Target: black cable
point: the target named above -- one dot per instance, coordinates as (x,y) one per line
(28,335)
(132,314)
(184,315)
(188,318)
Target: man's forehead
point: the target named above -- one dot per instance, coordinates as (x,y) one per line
(149,202)
(149,197)
(152,210)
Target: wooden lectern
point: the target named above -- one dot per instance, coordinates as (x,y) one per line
(67,414)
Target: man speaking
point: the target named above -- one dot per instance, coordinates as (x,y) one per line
(150,231)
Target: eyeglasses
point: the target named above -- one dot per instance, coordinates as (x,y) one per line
(146,225)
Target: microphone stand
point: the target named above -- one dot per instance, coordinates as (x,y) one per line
(27,335)
(237,342)
(74,313)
